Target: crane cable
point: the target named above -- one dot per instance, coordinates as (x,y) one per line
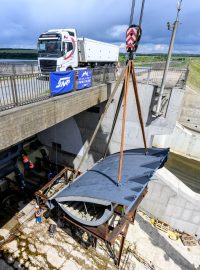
(133,35)
(141,12)
(132,12)
(122,91)
(124,74)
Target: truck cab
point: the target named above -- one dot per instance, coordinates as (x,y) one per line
(57,50)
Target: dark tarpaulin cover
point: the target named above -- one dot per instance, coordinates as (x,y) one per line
(100,182)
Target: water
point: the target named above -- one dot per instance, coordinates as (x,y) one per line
(187,170)
(16,61)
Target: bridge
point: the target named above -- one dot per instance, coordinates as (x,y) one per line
(27,107)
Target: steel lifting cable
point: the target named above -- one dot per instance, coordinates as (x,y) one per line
(133,76)
(115,119)
(125,74)
(141,13)
(133,35)
(122,92)
(101,119)
(132,12)
(126,82)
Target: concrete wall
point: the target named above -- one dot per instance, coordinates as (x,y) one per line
(72,140)
(190,113)
(22,122)
(169,200)
(66,134)
(183,141)
(87,121)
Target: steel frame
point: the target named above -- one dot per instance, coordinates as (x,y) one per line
(108,233)
(40,197)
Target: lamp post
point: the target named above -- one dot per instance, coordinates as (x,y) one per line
(172,27)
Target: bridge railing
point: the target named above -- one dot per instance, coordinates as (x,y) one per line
(18,90)
(22,67)
(176,77)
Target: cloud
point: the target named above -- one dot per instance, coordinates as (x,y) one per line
(117,32)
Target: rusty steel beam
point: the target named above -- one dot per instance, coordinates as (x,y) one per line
(108,233)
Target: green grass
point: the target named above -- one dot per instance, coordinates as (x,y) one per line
(18,54)
(182,62)
(194,74)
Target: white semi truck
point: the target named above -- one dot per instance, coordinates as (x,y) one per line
(60,50)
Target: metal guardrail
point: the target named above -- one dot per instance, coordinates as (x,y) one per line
(176,77)
(18,90)
(23,67)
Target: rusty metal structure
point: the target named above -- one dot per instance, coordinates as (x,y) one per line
(54,185)
(107,232)
(98,189)
(110,231)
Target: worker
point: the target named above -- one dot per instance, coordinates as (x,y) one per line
(45,158)
(51,172)
(20,179)
(38,214)
(38,164)
(52,48)
(27,163)
(31,165)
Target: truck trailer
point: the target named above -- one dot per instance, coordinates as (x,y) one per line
(61,50)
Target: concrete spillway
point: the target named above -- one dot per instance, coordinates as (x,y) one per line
(91,199)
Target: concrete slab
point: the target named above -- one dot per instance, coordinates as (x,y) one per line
(144,242)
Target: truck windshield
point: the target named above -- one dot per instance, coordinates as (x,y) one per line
(49,48)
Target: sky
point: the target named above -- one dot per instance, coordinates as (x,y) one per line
(22,21)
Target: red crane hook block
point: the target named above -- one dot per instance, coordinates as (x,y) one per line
(133,35)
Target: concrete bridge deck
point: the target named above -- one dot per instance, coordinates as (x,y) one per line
(28,108)
(25,121)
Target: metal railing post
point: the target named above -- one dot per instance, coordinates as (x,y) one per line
(75,80)
(32,68)
(104,74)
(14,89)
(14,69)
(92,76)
(148,75)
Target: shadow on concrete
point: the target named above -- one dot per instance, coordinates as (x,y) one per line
(159,241)
(90,118)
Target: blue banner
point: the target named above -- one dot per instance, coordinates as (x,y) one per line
(84,78)
(61,82)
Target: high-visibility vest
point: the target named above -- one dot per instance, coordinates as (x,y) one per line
(27,162)
(31,165)
(25,159)
(37,212)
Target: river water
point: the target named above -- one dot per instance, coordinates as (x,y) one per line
(187,170)
(16,61)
